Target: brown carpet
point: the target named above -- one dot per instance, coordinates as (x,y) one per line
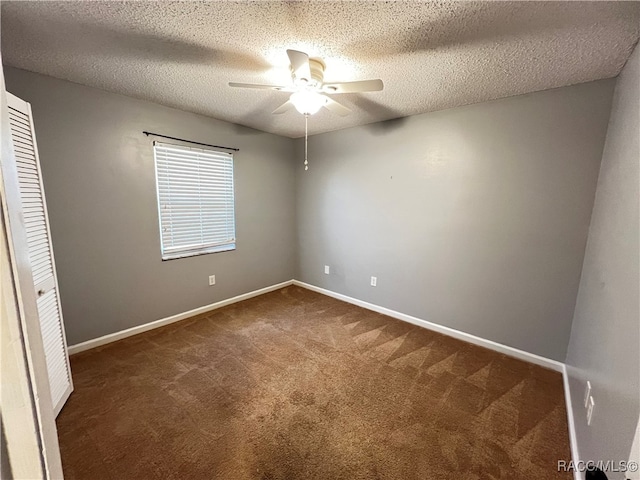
(297,385)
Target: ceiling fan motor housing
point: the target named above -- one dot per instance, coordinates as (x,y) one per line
(316,67)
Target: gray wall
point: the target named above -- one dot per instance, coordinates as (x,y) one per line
(475,218)
(99,181)
(605,338)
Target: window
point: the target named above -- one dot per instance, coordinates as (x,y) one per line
(195,200)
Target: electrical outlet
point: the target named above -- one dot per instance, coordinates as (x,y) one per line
(587,394)
(326,269)
(590,408)
(374,281)
(212,279)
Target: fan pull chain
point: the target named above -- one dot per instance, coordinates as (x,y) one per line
(306,137)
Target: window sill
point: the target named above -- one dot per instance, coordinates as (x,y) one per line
(194,253)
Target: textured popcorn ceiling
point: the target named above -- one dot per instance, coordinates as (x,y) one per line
(430,55)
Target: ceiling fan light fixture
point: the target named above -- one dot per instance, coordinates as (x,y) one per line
(308,102)
(310,91)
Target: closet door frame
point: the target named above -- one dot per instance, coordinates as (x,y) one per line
(25,296)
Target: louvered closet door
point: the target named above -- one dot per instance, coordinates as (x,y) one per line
(34,209)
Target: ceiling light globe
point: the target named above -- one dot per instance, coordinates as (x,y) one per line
(307,102)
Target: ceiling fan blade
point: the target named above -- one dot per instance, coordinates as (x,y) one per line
(299,64)
(354,87)
(285,107)
(279,88)
(336,107)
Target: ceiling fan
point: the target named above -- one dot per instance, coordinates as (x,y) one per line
(309,93)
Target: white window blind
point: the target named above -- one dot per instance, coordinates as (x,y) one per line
(195,200)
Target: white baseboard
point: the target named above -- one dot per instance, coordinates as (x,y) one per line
(634,456)
(112,337)
(467,337)
(573,439)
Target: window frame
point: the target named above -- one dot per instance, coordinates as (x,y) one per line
(172,253)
